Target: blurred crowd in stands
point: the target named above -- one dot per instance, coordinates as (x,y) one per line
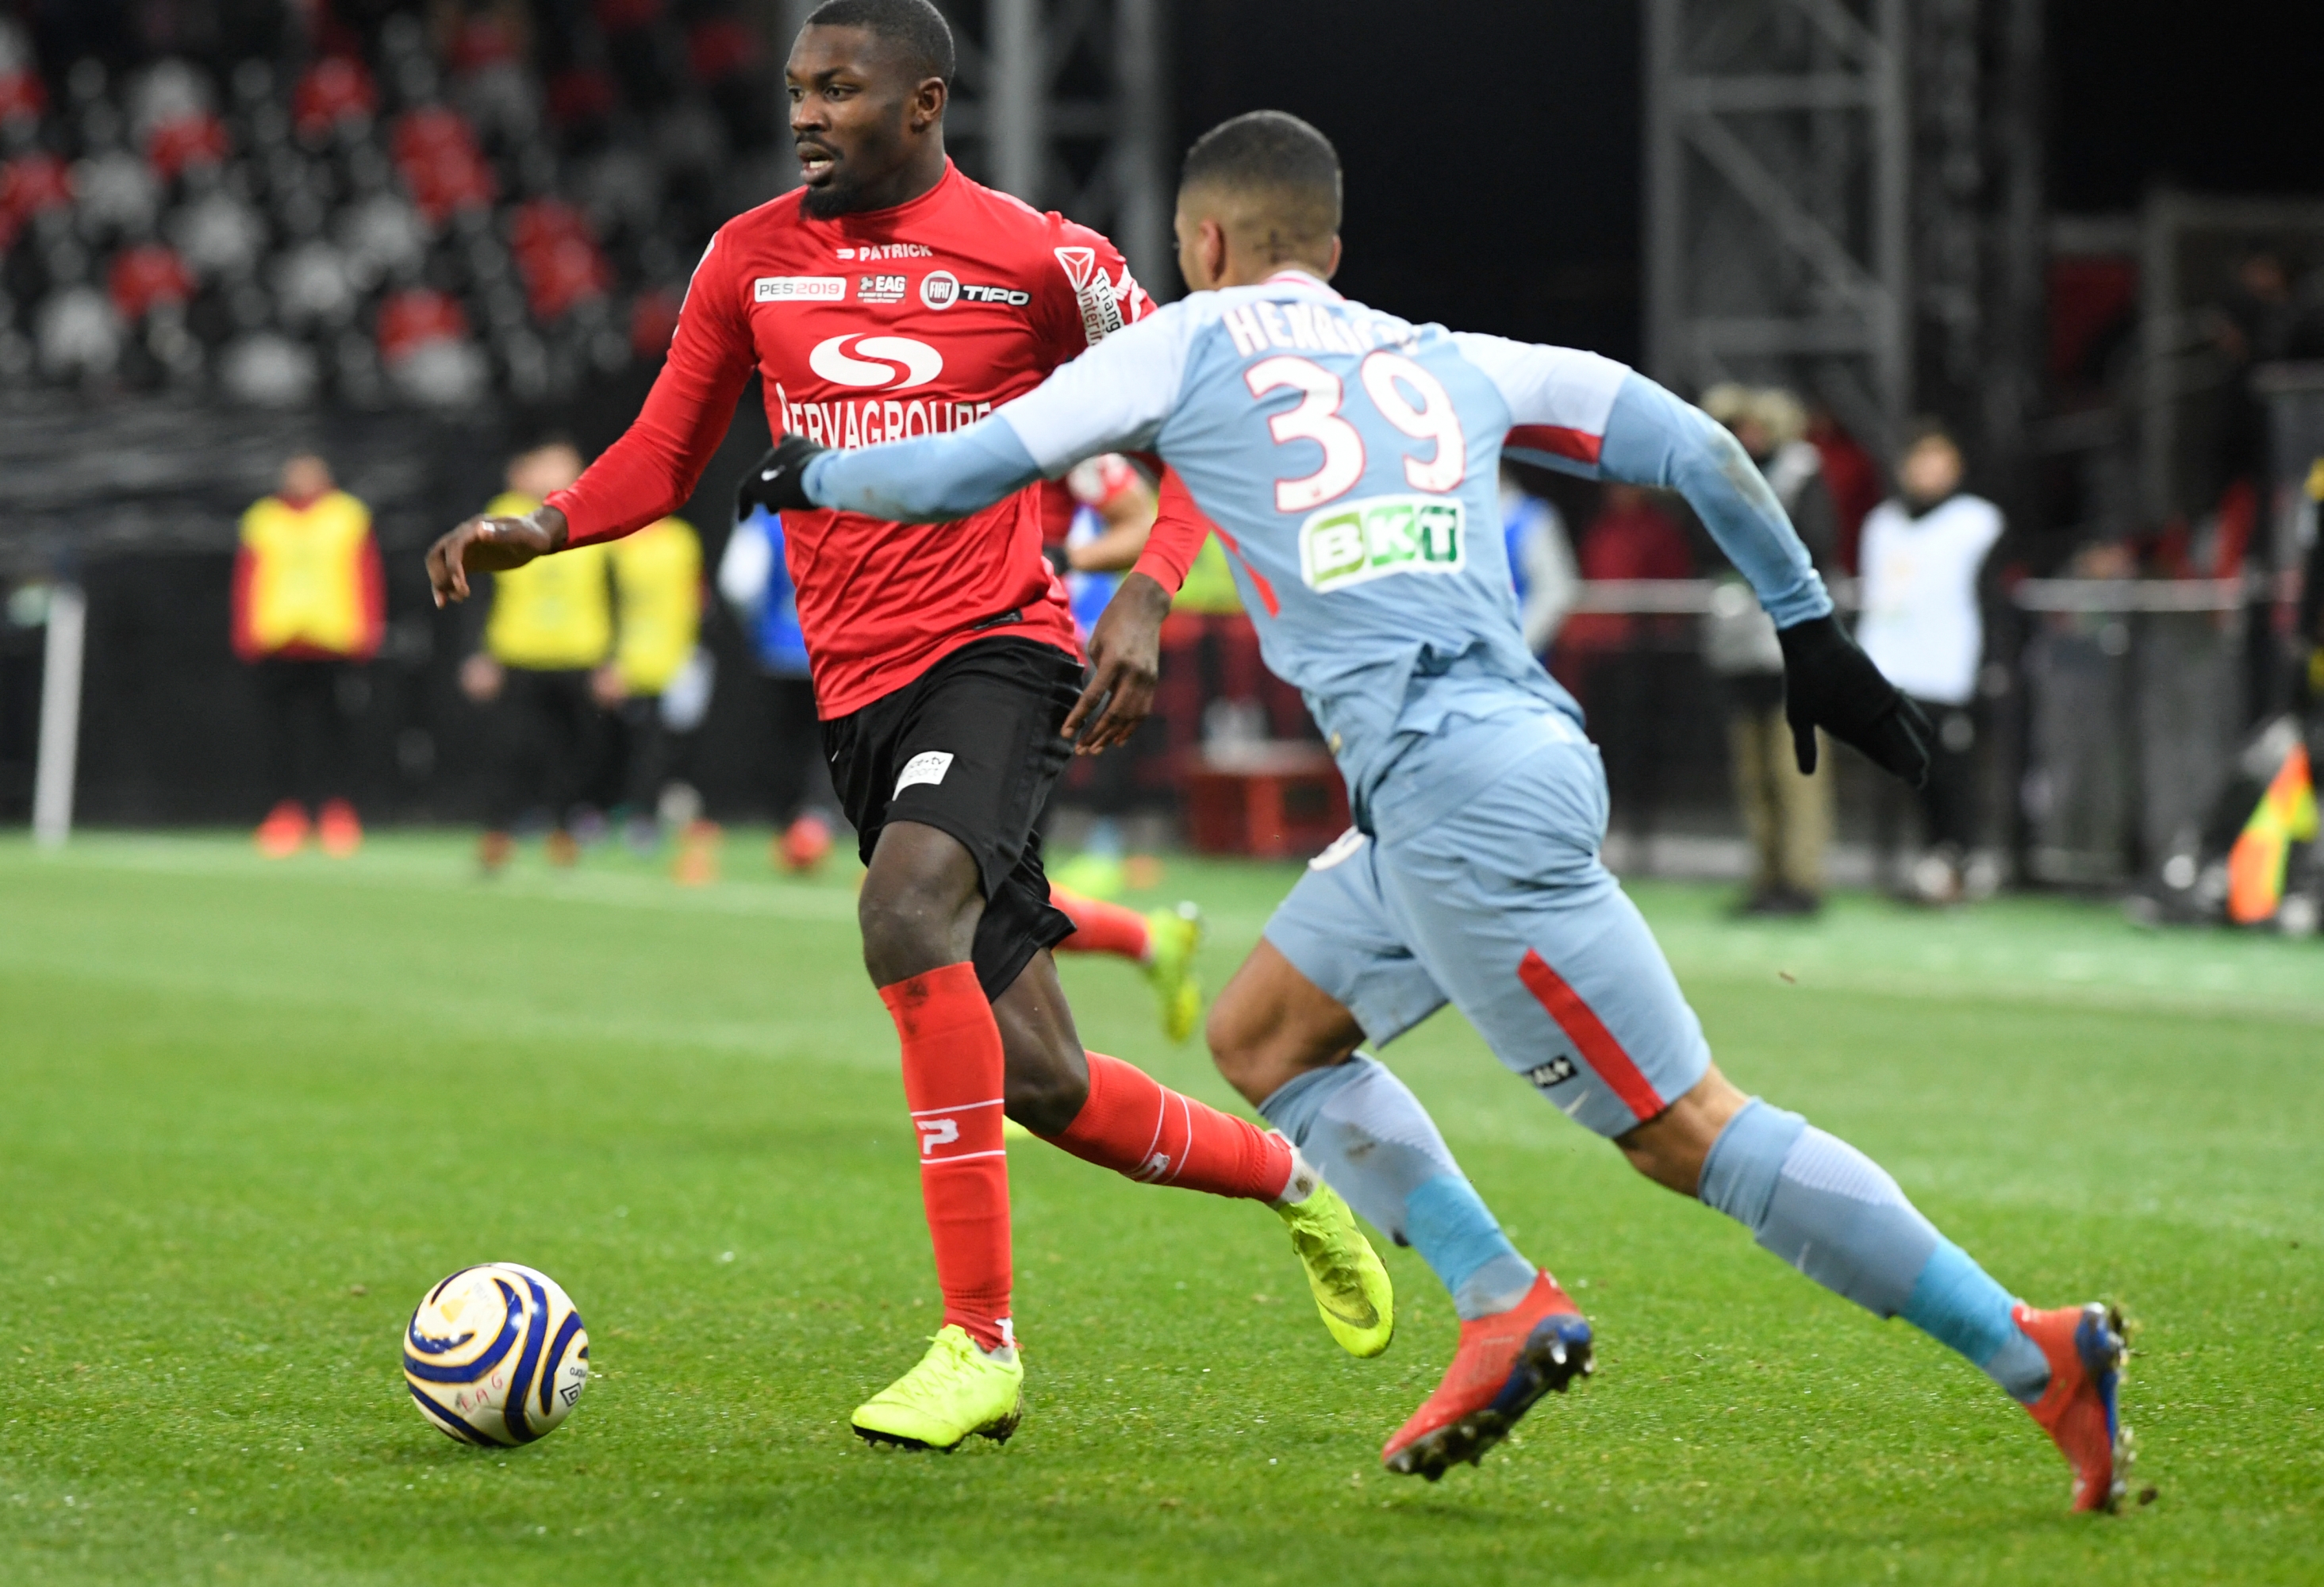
(346,200)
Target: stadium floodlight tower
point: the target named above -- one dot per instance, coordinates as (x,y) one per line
(1063,104)
(1778,163)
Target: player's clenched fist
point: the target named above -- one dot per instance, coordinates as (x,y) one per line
(491,545)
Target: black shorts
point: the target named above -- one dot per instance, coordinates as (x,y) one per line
(971,748)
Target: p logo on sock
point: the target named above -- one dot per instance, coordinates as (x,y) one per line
(957,1133)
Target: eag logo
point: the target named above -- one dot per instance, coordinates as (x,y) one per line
(875,362)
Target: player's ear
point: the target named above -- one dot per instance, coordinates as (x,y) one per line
(928,99)
(1214,250)
(1332,260)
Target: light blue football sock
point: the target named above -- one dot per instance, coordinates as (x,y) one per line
(1835,1214)
(1376,1145)
(1956,1303)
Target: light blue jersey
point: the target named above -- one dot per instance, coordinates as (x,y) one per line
(1351,461)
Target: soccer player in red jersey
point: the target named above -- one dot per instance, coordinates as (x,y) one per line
(893,297)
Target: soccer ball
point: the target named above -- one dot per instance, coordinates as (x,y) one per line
(496,1354)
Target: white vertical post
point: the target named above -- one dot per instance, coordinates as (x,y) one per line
(1140,70)
(53,777)
(1667,359)
(1892,198)
(1017,98)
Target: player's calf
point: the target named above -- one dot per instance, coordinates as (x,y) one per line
(1047,1071)
(1141,1128)
(1827,1209)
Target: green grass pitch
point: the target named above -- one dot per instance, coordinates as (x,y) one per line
(249,1112)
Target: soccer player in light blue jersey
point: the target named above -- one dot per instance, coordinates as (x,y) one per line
(1349,460)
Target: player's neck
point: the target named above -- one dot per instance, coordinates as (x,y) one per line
(1252,272)
(915,179)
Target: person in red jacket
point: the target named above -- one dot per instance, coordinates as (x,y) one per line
(308,605)
(893,297)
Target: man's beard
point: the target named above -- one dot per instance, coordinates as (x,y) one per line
(832,198)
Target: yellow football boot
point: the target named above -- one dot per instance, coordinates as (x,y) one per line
(956,1389)
(1351,1289)
(1175,934)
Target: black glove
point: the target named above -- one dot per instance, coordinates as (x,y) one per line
(1060,562)
(778,483)
(1831,684)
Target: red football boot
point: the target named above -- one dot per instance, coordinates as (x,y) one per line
(284,832)
(340,829)
(804,844)
(2085,1346)
(1506,1362)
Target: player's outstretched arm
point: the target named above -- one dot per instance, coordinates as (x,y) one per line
(1654,438)
(1110,399)
(927,479)
(491,545)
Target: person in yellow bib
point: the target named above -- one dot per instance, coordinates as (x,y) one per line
(663,677)
(545,668)
(309,605)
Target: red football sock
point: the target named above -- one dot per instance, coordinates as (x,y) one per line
(1136,1125)
(1100,927)
(952,1084)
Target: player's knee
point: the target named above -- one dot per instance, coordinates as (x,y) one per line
(1237,1030)
(1673,1161)
(1259,1049)
(906,932)
(1671,1148)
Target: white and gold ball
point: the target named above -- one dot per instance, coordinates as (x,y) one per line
(496,1354)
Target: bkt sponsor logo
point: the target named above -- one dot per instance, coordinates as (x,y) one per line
(1358,541)
(875,362)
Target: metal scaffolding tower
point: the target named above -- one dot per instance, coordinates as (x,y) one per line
(1065,103)
(1779,157)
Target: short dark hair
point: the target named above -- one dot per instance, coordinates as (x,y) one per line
(915,29)
(1927,428)
(1275,155)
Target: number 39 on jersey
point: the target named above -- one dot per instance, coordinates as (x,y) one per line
(1354,542)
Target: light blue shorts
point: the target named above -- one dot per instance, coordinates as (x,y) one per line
(1483,888)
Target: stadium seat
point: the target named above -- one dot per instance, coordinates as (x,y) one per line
(260,229)
(1275,799)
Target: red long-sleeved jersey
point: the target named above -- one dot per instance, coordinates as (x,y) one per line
(868,328)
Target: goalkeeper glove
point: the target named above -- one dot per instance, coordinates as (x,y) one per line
(778,483)
(1831,684)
